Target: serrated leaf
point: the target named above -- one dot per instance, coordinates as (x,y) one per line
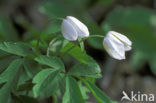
(53,62)
(62,83)
(81,56)
(73,93)
(46,82)
(84,70)
(75,52)
(19,49)
(31,68)
(5,61)
(98,94)
(10,76)
(84,90)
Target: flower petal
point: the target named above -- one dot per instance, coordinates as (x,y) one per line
(69,31)
(114,47)
(81,28)
(127,48)
(121,37)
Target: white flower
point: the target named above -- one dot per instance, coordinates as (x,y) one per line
(116,44)
(72,28)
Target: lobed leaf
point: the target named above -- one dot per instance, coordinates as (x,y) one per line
(19,49)
(98,94)
(10,76)
(53,62)
(46,82)
(84,70)
(81,56)
(72,93)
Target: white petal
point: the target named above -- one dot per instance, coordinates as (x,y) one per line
(116,44)
(114,47)
(69,31)
(127,48)
(122,38)
(81,28)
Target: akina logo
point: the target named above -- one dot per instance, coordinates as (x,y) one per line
(138,97)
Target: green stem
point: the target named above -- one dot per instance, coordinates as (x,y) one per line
(48,50)
(94,36)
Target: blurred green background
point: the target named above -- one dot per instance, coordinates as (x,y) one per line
(21,20)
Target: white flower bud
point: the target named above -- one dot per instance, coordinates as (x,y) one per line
(116,44)
(72,28)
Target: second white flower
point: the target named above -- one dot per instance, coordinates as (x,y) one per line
(116,44)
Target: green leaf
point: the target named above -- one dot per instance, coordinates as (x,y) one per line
(46,82)
(5,61)
(73,93)
(76,52)
(53,62)
(2,53)
(84,90)
(81,44)
(10,76)
(98,94)
(19,49)
(84,70)
(62,83)
(31,68)
(81,56)
(7,31)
